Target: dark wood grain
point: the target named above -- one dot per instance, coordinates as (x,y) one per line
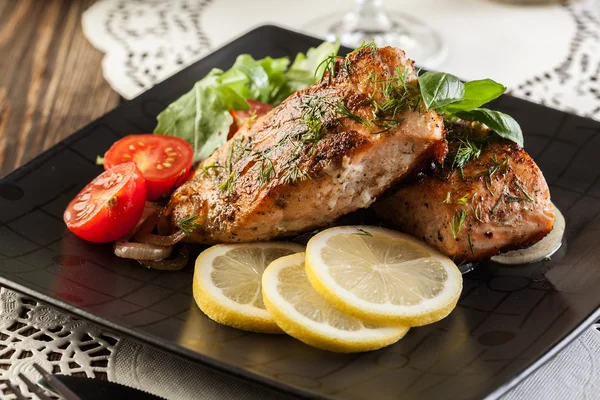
(50,77)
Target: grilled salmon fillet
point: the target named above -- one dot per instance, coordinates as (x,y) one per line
(327,150)
(500,202)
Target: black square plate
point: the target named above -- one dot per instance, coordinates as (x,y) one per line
(508,322)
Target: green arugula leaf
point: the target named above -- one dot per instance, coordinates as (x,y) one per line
(278,81)
(257,82)
(306,69)
(503,124)
(262,80)
(201,116)
(477,93)
(439,89)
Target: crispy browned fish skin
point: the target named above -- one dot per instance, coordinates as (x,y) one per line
(494,221)
(348,168)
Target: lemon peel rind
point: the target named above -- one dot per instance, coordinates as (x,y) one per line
(372,313)
(297,331)
(300,328)
(222,309)
(225,316)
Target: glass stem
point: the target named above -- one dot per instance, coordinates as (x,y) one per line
(370,15)
(369,7)
(369,3)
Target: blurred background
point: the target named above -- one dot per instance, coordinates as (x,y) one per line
(543,50)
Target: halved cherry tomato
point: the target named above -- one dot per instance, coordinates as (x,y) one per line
(165,161)
(257,108)
(108,207)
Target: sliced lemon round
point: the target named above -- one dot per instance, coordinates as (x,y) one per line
(227,283)
(302,313)
(382,276)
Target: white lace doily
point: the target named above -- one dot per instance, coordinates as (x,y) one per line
(30,332)
(146,41)
(574,84)
(34,333)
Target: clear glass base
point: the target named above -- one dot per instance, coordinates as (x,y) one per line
(467,267)
(420,42)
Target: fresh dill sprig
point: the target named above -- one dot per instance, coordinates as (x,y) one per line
(509,198)
(478,213)
(458,219)
(362,232)
(237,150)
(495,168)
(266,169)
(315,130)
(497,202)
(293,173)
(527,196)
(207,169)
(463,200)
(371,78)
(345,112)
(447,200)
(468,149)
(470,242)
(330,66)
(189,224)
(460,201)
(398,97)
(491,171)
(386,124)
(317,112)
(252,118)
(403,75)
(347,66)
(367,45)
(227,185)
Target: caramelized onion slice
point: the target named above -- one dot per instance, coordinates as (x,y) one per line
(142,251)
(542,249)
(159,240)
(173,264)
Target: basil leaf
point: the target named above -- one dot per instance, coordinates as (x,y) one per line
(477,93)
(503,124)
(439,89)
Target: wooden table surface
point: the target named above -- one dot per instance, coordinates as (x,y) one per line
(51,80)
